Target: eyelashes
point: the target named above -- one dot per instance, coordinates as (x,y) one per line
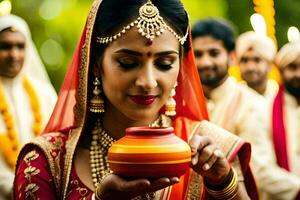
(163,66)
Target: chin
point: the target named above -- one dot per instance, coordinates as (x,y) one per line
(142,115)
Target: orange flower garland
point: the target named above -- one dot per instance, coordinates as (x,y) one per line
(9,142)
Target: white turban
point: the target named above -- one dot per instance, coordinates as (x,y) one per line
(287,54)
(33,65)
(261,44)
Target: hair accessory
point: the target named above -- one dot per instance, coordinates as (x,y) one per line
(171,103)
(97,103)
(149,24)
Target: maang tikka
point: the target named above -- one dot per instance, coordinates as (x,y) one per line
(96,102)
(149,24)
(170,106)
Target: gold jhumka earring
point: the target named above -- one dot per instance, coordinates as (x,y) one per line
(149,24)
(171,103)
(96,102)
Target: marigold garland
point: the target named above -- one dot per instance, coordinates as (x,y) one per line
(9,142)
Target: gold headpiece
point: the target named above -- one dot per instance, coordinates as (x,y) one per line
(149,24)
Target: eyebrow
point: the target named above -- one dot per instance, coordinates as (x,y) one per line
(135,53)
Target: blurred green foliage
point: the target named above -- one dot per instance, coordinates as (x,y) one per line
(56,25)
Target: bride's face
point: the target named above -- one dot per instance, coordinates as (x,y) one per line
(137,77)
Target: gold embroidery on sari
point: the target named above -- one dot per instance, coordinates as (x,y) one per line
(30,190)
(30,171)
(226,141)
(32,155)
(83,192)
(195,187)
(49,147)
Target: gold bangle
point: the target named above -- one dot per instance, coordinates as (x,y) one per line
(229,192)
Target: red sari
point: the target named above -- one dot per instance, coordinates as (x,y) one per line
(45,168)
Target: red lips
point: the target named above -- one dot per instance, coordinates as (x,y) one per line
(143,99)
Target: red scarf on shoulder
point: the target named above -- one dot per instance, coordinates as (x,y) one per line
(279,134)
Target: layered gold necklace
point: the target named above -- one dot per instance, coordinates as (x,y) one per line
(9,142)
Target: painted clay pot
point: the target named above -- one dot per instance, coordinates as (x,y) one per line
(149,152)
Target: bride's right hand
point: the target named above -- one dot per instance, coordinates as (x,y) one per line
(116,187)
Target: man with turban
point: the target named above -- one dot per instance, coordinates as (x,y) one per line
(284,183)
(237,108)
(27,97)
(255,56)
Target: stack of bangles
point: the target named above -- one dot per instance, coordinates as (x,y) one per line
(227,190)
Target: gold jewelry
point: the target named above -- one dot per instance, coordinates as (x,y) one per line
(97,103)
(149,24)
(171,103)
(100,144)
(9,142)
(230,190)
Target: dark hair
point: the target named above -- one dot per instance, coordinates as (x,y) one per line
(113,15)
(218,29)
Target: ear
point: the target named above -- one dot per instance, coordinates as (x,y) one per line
(232,58)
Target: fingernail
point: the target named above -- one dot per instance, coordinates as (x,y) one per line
(218,153)
(205,167)
(194,161)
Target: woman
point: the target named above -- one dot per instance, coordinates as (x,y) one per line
(125,69)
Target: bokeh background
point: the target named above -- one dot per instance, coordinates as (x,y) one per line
(56,24)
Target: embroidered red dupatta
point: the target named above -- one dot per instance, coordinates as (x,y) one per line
(71,108)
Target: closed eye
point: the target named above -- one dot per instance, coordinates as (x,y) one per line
(128,63)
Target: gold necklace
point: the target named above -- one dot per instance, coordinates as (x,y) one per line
(101,142)
(10,144)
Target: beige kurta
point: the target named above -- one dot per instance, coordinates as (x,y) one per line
(276,183)
(271,90)
(240,110)
(20,108)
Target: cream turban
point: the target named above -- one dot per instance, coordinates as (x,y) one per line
(263,45)
(287,54)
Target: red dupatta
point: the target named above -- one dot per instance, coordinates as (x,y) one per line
(278,129)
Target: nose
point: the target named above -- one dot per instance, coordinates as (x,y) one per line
(204,61)
(14,52)
(250,65)
(146,78)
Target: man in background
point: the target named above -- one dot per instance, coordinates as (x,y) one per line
(27,97)
(239,109)
(286,128)
(255,56)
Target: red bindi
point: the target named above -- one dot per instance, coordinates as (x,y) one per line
(149,54)
(149,42)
